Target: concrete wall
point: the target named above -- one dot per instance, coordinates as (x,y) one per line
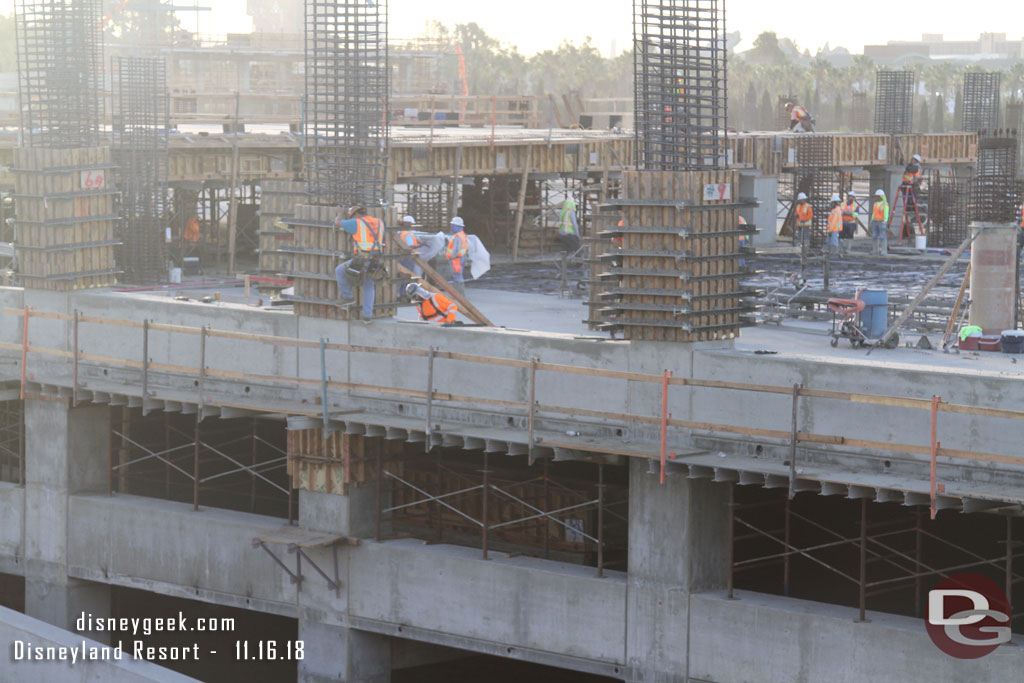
(12,547)
(16,627)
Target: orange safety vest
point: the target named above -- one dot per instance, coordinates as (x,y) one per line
(880,211)
(850,211)
(912,173)
(367,235)
(835,220)
(797,113)
(192,230)
(438,307)
(457,247)
(408,239)
(804,215)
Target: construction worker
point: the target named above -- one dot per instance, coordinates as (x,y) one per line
(850,216)
(800,120)
(879,224)
(368,244)
(192,229)
(834,225)
(744,241)
(804,219)
(568,228)
(455,252)
(433,306)
(912,173)
(408,241)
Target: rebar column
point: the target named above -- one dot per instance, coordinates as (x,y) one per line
(894,101)
(980,109)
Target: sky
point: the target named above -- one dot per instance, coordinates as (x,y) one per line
(535,25)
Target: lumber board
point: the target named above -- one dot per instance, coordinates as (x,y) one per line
(471,311)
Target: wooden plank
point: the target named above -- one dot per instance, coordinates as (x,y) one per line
(468,308)
(522,200)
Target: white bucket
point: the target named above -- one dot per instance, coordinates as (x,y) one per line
(920,241)
(175,276)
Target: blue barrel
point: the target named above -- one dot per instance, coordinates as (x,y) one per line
(875,316)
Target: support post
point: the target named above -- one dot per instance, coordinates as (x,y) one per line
(380,501)
(934,452)
(862,599)
(917,561)
(793,440)
(487,485)
(731,541)
(788,551)
(1009,567)
(24,350)
(145,360)
(195,464)
(664,422)
(233,204)
(74,363)
(547,506)
(523,180)
(600,520)
(531,436)
(430,398)
(323,388)
(252,471)
(202,372)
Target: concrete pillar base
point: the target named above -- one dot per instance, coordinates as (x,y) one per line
(336,654)
(69,604)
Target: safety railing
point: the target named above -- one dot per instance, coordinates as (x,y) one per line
(793,436)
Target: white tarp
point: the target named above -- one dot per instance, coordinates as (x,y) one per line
(479,257)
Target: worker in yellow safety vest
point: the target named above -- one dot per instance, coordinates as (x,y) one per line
(367,249)
(455,252)
(834,225)
(804,219)
(880,224)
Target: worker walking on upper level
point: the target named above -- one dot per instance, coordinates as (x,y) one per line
(800,120)
(568,227)
(366,262)
(834,225)
(433,306)
(804,219)
(456,251)
(850,217)
(880,224)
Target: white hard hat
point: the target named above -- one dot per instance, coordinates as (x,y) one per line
(879,192)
(917,157)
(801,196)
(851,193)
(408,219)
(834,198)
(458,221)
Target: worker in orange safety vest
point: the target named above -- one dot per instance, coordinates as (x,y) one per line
(433,306)
(834,225)
(804,219)
(455,252)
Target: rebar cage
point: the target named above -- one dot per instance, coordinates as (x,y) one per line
(680,84)
(894,101)
(347,89)
(980,110)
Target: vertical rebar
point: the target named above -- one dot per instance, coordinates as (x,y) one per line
(862,584)
(787,548)
(600,520)
(430,398)
(167,455)
(195,463)
(145,364)
(894,101)
(531,438)
(252,471)
(547,506)
(731,541)
(917,561)
(793,441)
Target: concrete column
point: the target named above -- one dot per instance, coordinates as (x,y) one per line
(354,514)
(678,545)
(766,190)
(337,654)
(66,452)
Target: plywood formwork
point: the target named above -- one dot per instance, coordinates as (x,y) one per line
(278,199)
(679,278)
(317,250)
(331,464)
(65,218)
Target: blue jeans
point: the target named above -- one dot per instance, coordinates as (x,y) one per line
(345,289)
(833,240)
(880,231)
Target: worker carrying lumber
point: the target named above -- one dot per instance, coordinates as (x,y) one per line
(367,261)
(880,223)
(456,251)
(800,120)
(408,241)
(433,306)
(834,225)
(850,217)
(804,219)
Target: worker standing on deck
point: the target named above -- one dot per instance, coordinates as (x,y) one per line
(880,224)
(849,222)
(456,251)
(834,225)
(804,219)
(800,120)
(408,241)
(433,306)
(368,245)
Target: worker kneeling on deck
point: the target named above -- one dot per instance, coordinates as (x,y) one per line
(433,307)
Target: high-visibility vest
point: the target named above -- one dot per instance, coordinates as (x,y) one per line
(804,215)
(912,173)
(367,235)
(192,230)
(457,247)
(797,113)
(880,211)
(438,307)
(850,211)
(565,225)
(408,239)
(835,220)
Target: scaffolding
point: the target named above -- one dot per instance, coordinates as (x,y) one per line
(980,110)
(347,88)
(680,84)
(993,195)
(894,101)
(140,127)
(60,72)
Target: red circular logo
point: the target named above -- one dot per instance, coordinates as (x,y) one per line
(967,616)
